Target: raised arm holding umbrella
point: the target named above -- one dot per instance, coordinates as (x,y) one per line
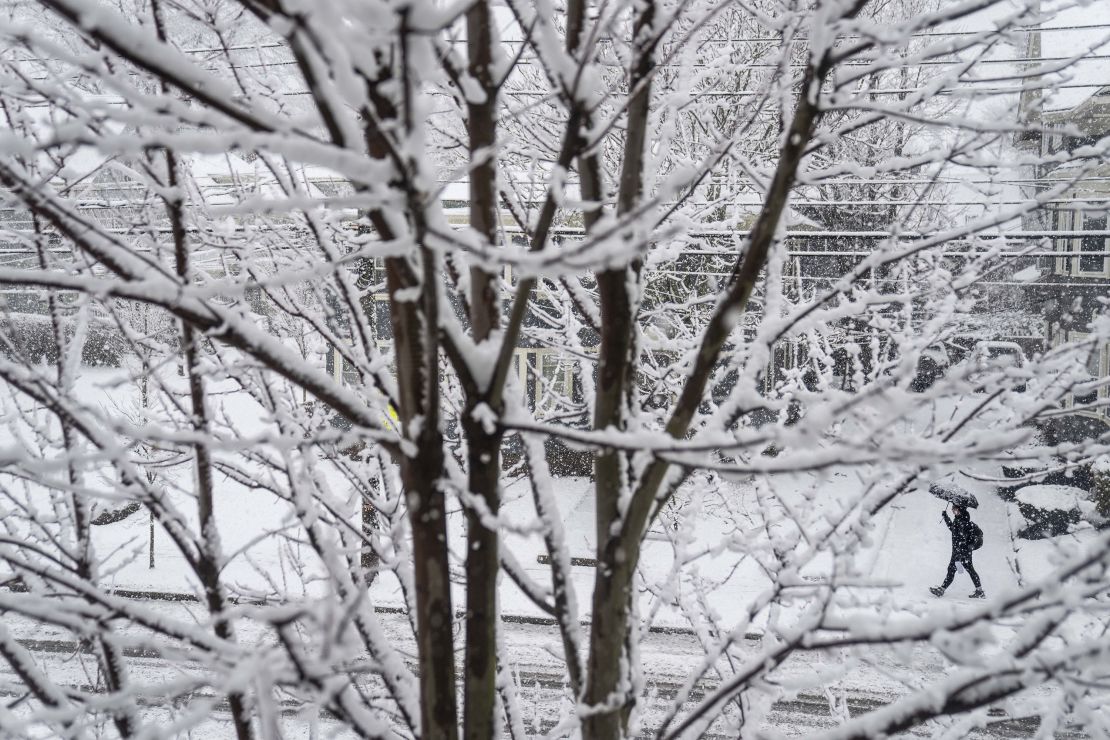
(966,535)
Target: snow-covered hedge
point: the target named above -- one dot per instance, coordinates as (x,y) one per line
(32,337)
(1049,509)
(1100,489)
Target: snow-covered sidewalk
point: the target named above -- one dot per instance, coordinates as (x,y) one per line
(915,546)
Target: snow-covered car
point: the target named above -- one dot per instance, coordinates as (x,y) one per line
(993,358)
(933,364)
(1010,352)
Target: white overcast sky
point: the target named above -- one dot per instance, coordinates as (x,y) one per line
(1061,38)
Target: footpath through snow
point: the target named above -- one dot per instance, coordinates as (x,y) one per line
(914,546)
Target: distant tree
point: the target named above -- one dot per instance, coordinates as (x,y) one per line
(290,176)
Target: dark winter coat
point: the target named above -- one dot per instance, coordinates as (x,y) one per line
(961,534)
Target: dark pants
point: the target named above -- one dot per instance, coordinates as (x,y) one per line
(966,560)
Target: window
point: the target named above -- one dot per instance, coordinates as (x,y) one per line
(548,380)
(1096,244)
(1097,365)
(557,379)
(1062,219)
(1094,364)
(1088,256)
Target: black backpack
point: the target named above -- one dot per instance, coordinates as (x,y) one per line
(974,535)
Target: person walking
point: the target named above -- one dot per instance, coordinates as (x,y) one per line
(966,538)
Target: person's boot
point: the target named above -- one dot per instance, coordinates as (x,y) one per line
(936,591)
(979,594)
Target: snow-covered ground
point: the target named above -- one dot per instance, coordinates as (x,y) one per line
(908,551)
(905,551)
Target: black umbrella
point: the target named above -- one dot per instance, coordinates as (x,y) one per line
(954,494)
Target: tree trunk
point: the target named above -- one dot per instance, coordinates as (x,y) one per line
(483,442)
(616,566)
(482,568)
(416,349)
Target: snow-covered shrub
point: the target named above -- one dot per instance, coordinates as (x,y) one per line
(567,461)
(103,347)
(1100,489)
(1049,509)
(1026,464)
(30,338)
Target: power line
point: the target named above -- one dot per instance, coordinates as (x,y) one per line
(1013,90)
(895,280)
(944,34)
(1041,234)
(945,92)
(746,65)
(739,39)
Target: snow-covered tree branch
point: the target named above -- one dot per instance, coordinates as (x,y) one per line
(566,369)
